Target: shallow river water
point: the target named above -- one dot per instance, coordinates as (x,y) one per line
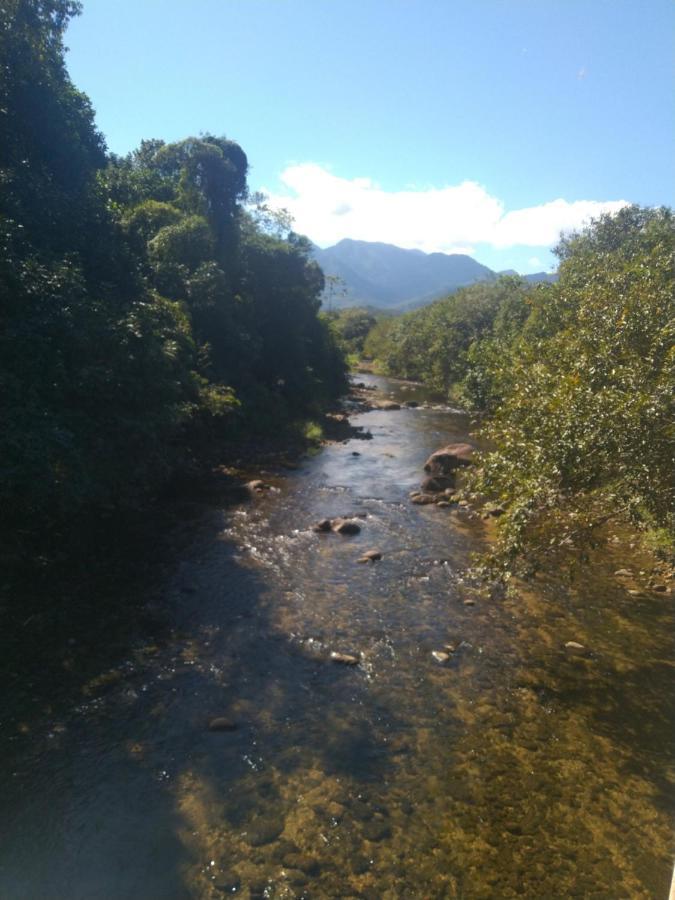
(512,770)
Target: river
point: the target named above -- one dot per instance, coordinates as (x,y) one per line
(513,769)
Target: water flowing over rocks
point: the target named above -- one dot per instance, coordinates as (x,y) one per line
(405,729)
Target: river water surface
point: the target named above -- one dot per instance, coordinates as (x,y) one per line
(514,769)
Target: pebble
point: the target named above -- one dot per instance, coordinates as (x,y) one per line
(624,573)
(323,526)
(574,647)
(220,723)
(343,527)
(346,659)
(440,656)
(372,554)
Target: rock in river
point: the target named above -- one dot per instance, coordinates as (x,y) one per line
(220,723)
(449,458)
(436,484)
(323,526)
(440,656)
(372,555)
(345,526)
(386,405)
(346,659)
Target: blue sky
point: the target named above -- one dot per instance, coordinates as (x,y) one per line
(452,126)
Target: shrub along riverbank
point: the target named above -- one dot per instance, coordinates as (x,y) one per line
(152,308)
(577,381)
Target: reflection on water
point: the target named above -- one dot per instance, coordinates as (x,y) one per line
(513,769)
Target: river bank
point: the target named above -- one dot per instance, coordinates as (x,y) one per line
(470,752)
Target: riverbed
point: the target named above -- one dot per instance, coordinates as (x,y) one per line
(508,767)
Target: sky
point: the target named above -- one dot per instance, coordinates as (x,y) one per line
(477,126)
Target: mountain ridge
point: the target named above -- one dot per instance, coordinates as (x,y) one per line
(373,273)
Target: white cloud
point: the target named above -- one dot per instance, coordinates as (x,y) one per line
(534,261)
(450,219)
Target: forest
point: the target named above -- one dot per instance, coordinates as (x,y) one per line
(151,305)
(154,307)
(574,383)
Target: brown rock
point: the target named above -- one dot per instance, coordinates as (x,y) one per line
(344,526)
(436,484)
(372,554)
(386,405)
(220,723)
(345,659)
(449,458)
(323,526)
(423,499)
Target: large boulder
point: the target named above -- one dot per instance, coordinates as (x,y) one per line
(447,459)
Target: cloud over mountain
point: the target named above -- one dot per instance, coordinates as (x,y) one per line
(449,219)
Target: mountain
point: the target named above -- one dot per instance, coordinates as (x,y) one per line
(538,277)
(389,277)
(385,276)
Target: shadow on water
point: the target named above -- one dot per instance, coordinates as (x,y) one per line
(511,770)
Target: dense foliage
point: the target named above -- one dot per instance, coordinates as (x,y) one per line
(146,303)
(351,327)
(578,379)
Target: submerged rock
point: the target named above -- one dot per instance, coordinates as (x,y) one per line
(220,723)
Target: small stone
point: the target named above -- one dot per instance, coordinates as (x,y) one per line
(423,499)
(302,861)
(264,831)
(387,405)
(496,510)
(469,602)
(376,830)
(440,656)
(345,659)
(443,503)
(574,647)
(257,485)
(355,453)
(220,723)
(624,573)
(372,554)
(661,588)
(323,526)
(345,527)
(464,503)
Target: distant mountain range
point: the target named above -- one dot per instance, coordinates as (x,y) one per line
(389,277)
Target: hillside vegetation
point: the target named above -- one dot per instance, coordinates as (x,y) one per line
(147,305)
(577,380)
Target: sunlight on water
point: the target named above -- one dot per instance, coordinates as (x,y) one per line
(503,766)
